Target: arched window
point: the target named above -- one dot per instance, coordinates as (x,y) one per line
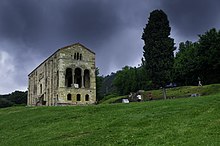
(78,77)
(80,57)
(74,55)
(40,88)
(78,97)
(87,97)
(68,77)
(57,79)
(77,56)
(86,78)
(69,96)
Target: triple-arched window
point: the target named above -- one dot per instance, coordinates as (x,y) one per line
(78,97)
(77,56)
(80,78)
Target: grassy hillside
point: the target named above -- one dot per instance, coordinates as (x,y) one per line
(118,124)
(177,92)
(184,91)
(185,121)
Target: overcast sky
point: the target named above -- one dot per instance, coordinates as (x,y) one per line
(31,30)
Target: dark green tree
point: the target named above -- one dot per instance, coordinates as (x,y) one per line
(99,80)
(208,53)
(199,59)
(130,79)
(158,49)
(125,80)
(186,64)
(18,97)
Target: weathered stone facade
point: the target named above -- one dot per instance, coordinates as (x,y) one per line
(67,77)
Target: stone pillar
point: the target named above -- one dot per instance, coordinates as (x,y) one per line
(73,76)
(83,86)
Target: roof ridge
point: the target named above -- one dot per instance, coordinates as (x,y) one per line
(58,51)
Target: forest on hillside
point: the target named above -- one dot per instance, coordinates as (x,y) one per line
(14,98)
(193,62)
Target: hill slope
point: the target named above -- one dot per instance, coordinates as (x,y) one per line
(185,121)
(177,92)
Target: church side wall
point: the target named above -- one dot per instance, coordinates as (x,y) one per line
(42,88)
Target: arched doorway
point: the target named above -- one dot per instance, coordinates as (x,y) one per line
(69,96)
(86,78)
(87,97)
(68,77)
(78,97)
(78,77)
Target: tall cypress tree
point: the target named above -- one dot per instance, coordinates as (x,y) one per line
(158,49)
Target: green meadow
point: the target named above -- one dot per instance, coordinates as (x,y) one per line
(179,121)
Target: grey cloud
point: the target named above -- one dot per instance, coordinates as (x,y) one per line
(191,18)
(31,30)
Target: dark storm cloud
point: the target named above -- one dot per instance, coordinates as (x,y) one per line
(192,17)
(91,21)
(19,19)
(31,30)
(48,25)
(51,22)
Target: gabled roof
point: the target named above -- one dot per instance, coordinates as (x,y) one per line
(62,49)
(75,45)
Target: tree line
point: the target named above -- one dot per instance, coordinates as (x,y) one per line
(199,59)
(14,98)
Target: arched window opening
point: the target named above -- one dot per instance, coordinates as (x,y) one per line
(57,79)
(69,96)
(74,55)
(40,88)
(86,78)
(78,97)
(80,57)
(68,77)
(78,77)
(77,56)
(87,97)
(46,81)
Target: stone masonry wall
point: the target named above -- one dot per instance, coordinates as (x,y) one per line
(66,60)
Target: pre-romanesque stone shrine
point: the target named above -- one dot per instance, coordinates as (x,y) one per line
(67,77)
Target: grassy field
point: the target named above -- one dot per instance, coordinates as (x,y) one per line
(177,92)
(184,121)
(185,91)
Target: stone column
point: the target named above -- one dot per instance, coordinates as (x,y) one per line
(83,86)
(73,76)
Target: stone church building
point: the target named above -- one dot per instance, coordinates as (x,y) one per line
(67,77)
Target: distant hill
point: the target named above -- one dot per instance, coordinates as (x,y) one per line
(14,98)
(107,86)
